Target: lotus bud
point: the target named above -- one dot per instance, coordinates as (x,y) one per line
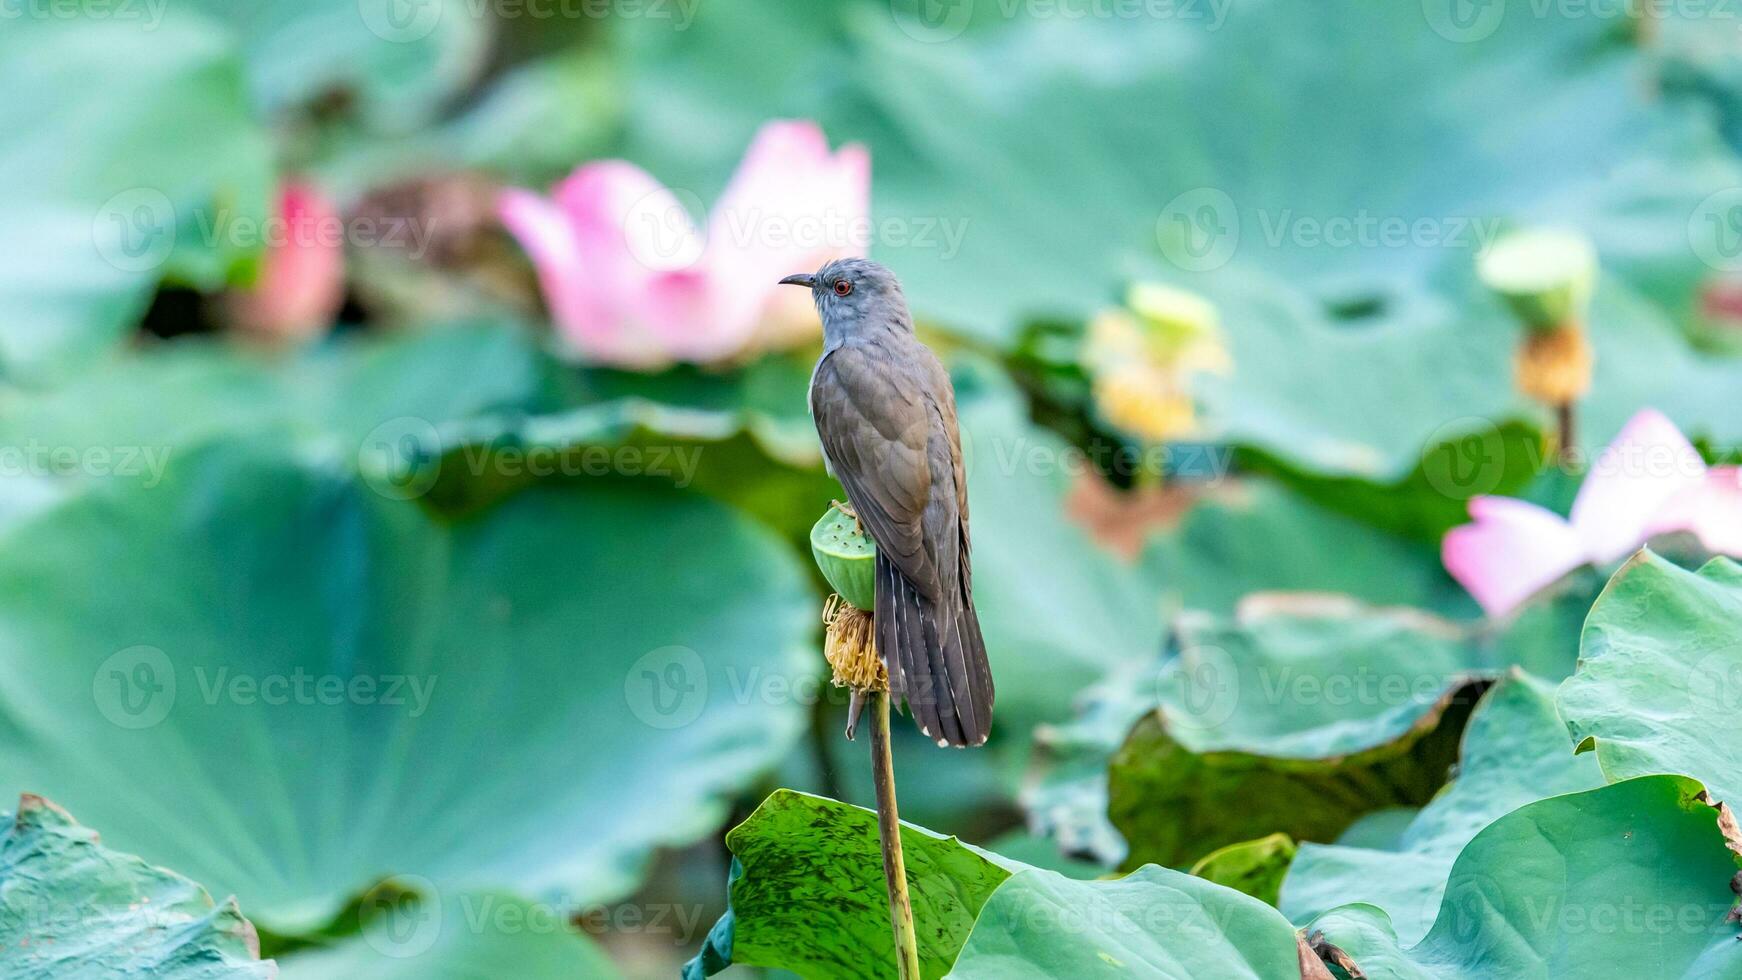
(1546,278)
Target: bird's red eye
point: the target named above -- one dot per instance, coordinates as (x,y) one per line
(843,287)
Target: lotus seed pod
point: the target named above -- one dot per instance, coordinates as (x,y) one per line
(846,557)
(1544,276)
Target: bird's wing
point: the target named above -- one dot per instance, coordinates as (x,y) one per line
(875,426)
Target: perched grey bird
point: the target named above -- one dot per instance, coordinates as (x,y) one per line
(886,413)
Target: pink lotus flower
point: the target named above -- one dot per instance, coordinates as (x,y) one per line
(630,281)
(302,277)
(1648,481)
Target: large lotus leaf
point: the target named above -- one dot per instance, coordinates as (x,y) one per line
(396,62)
(72,908)
(1629,880)
(345,688)
(1461,461)
(529,126)
(1335,226)
(1448,375)
(1152,923)
(104,197)
(1659,684)
(743,435)
(1252,535)
(350,397)
(468,936)
(1253,867)
(1515,751)
(1297,716)
(1068,800)
(808,895)
(1240,537)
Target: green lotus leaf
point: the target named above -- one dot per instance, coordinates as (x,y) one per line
(106,197)
(743,436)
(1297,716)
(1067,799)
(349,398)
(71,907)
(1252,535)
(1152,923)
(1459,462)
(455,937)
(396,65)
(1659,682)
(1631,879)
(808,895)
(349,688)
(1515,751)
(1254,867)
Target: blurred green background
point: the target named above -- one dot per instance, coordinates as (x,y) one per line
(353,586)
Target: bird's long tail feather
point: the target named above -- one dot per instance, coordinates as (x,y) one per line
(936,657)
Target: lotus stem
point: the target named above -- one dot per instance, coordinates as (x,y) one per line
(889,835)
(1565,422)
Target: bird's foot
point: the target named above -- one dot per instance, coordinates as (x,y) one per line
(847,509)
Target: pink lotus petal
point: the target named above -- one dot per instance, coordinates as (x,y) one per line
(1646,465)
(544,231)
(1512,550)
(790,206)
(302,277)
(631,233)
(1711,509)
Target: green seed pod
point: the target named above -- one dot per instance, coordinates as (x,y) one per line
(1545,276)
(846,557)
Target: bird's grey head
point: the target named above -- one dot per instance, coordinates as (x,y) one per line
(855,296)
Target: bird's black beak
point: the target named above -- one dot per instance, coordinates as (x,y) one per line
(804,279)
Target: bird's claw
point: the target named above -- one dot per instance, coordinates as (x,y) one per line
(847,509)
